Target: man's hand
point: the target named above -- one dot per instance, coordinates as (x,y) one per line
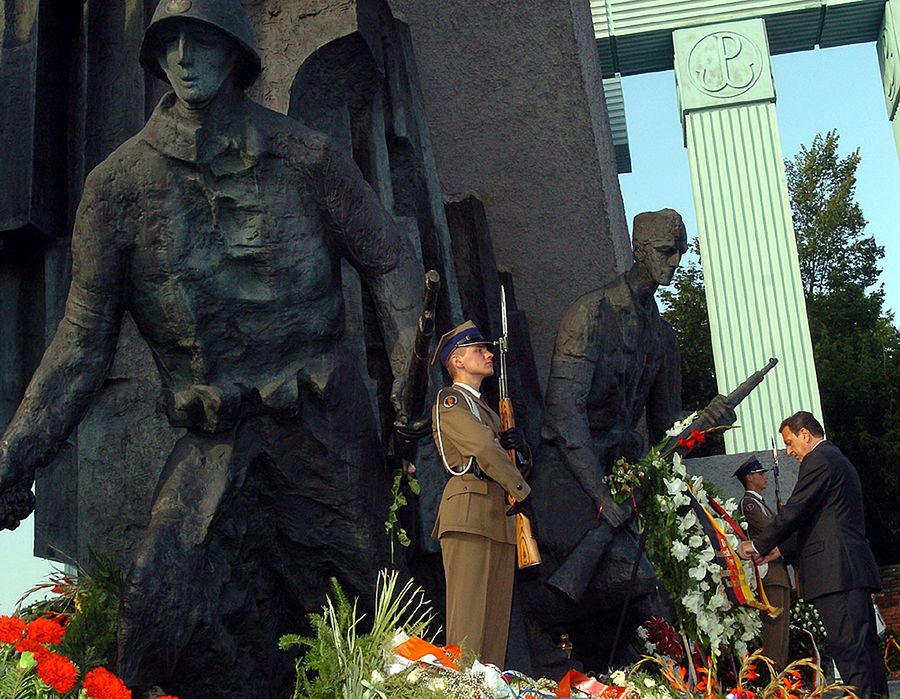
(514,438)
(772,555)
(524,507)
(747,551)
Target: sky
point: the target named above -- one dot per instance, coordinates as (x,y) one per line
(838,88)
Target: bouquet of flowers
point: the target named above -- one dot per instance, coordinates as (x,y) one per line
(681,548)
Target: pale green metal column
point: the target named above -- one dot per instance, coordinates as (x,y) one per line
(753,290)
(889,59)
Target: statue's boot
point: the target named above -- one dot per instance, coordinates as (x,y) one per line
(170,589)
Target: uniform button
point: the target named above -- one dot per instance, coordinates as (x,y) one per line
(518,487)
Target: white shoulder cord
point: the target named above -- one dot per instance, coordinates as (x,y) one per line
(440,442)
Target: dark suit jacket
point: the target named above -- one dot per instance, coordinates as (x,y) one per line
(826,512)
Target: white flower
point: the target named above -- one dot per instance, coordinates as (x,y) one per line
(698,572)
(707,554)
(688,522)
(679,550)
(618,677)
(681,425)
(696,541)
(674,486)
(678,465)
(649,682)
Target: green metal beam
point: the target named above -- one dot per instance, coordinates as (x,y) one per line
(635,36)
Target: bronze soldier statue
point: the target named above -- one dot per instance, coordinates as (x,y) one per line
(221,227)
(614,381)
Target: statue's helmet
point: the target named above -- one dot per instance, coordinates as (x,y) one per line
(228,16)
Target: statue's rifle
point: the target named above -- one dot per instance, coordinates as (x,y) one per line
(417,425)
(526,545)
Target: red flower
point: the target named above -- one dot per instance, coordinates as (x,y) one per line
(57,671)
(28,645)
(694,439)
(11,629)
(169,696)
(46,631)
(100,683)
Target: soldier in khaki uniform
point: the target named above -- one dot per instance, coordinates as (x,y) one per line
(775,632)
(476,533)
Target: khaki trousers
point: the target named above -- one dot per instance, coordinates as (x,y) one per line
(479,574)
(775,632)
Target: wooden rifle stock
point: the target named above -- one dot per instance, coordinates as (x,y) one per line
(527,552)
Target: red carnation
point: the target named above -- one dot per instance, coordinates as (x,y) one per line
(46,631)
(58,672)
(11,629)
(100,683)
(694,439)
(29,645)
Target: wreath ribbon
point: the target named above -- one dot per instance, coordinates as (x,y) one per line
(737,587)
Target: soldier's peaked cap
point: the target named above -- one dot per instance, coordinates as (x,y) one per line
(463,335)
(228,16)
(749,466)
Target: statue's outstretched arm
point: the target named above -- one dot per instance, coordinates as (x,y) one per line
(380,252)
(76,362)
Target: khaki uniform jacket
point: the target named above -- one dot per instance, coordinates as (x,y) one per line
(759,516)
(471,504)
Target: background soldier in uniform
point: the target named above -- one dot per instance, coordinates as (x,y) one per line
(476,533)
(775,632)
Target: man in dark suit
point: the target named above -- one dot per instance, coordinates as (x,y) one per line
(837,567)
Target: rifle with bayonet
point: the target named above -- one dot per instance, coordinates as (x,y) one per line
(776,471)
(526,545)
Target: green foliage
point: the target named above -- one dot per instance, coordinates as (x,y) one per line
(828,222)
(340,660)
(92,604)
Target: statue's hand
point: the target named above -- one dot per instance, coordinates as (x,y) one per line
(398,400)
(15,506)
(16,498)
(718,412)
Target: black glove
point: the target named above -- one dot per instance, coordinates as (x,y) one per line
(524,506)
(513,438)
